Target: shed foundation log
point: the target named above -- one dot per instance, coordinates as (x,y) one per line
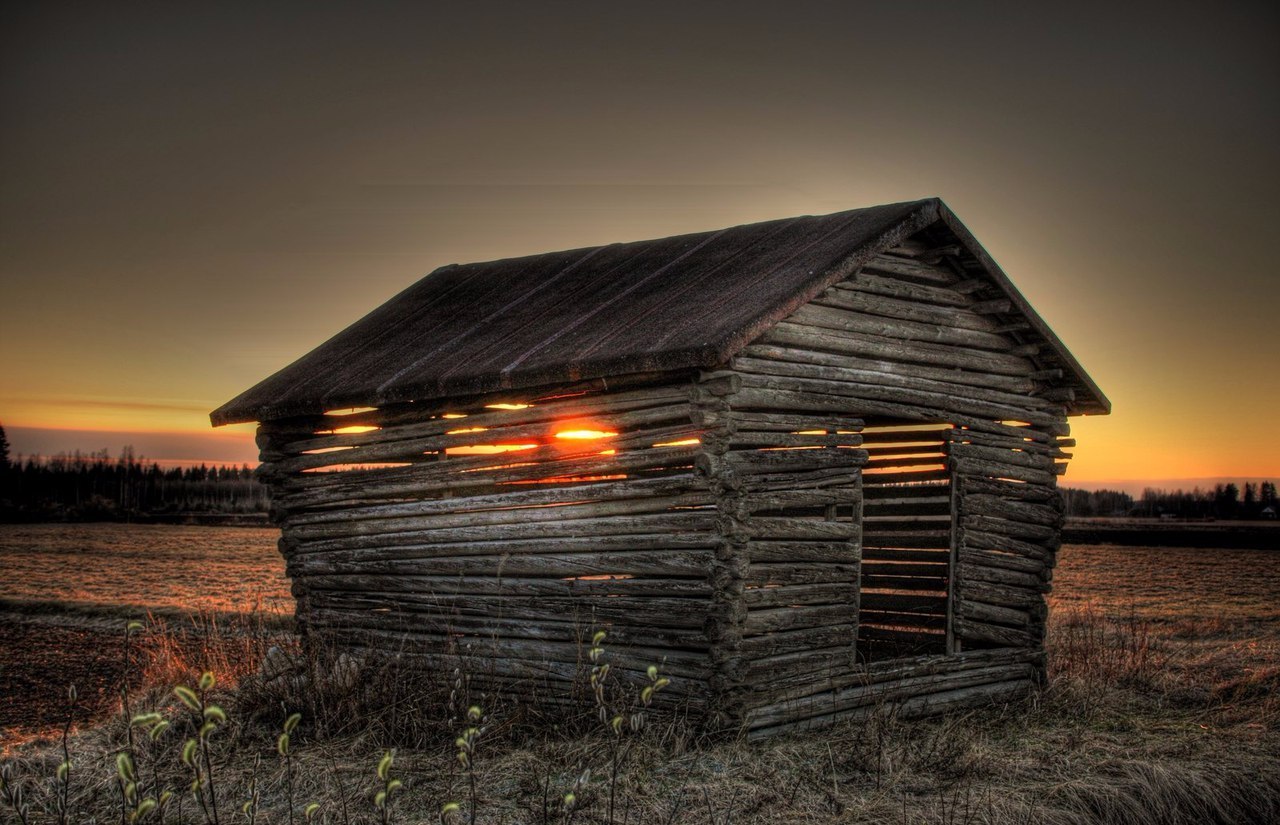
(831,705)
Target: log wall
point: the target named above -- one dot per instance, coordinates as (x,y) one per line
(964,431)
(858,508)
(507,529)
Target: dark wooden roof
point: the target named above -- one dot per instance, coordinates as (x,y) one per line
(673,303)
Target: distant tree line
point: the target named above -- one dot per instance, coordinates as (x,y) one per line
(1222,501)
(96,487)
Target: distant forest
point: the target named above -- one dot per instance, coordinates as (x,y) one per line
(96,487)
(1222,501)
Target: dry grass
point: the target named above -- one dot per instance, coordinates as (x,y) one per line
(1142,721)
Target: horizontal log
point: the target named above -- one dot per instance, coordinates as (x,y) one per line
(845,321)
(771,644)
(831,704)
(872,400)
(436,479)
(781,499)
(891,458)
(975,631)
(1035,442)
(905,509)
(917,479)
(498,654)
(999,306)
(1008,568)
(677,522)
(988,505)
(1019,596)
(948,375)
(829,670)
(411,516)
(775,439)
(796,618)
(978,452)
(370,548)
(768,574)
(414,421)
(904,604)
(930,583)
(876,544)
(993,469)
(905,310)
(875,638)
(518,499)
(639,611)
(748,462)
(893,568)
(507,585)
(803,336)
(756,597)
(424,626)
(971,402)
(809,673)
(744,421)
(841,552)
(982,539)
(981,485)
(993,614)
(943,701)
(875,284)
(971,285)
(879,492)
(781,527)
(913,270)
(938,555)
(679,563)
(1008,527)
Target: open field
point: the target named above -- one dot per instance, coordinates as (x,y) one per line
(1163,706)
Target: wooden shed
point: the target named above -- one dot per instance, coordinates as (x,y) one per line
(808,463)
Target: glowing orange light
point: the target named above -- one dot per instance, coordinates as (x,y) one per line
(684,442)
(599,577)
(350,411)
(567,479)
(467,430)
(454,415)
(585,435)
(346,468)
(488,449)
(352,430)
(810,432)
(608,452)
(507,406)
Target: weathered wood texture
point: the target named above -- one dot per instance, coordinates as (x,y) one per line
(958,518)
(509,529)
(858,508)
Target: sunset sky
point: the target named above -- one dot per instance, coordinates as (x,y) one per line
(192,197)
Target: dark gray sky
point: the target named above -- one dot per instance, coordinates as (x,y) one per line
(193,197)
